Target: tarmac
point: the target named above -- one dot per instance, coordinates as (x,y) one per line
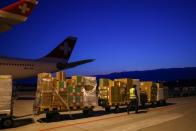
(179,114)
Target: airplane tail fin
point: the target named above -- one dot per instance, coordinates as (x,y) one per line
(20,9)
(63,51)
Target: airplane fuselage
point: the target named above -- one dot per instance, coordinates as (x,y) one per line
(21,68)
(54,61)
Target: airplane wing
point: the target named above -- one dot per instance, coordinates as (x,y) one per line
(15,13)
(73,64)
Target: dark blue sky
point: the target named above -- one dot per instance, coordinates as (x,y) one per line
(121,35)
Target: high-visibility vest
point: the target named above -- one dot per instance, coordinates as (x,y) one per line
(132,93)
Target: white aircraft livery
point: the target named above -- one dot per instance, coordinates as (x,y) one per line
(56,60)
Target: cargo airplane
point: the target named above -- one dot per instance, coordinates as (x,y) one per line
(15,13)
(55,61)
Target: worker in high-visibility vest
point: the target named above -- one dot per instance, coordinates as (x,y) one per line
(133,99)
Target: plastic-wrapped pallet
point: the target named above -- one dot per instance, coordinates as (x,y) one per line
(150,88)
(74,92)
(136,82)
(44,83)
(162,92)
(59,85)
(6,94)
(112,92)
(115,92)
(105,88)
(60,76)
(126,85)
(89,92)
(44,93)
(79,80)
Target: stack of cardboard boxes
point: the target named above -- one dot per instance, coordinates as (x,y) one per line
(114,92)
(150,88)
(105,92)
(44,92)
(59,91)
(126,84)
(105,88)
(61,94)
(75,94)
(89,92)
(162,93)
(6,94)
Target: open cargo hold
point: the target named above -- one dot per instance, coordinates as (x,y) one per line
(162,93)
(58,94)
(114,92)
(6,102)
(150,89)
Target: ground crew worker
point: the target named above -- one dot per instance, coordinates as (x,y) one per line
(133,99)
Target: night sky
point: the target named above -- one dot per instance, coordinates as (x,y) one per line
(122,35)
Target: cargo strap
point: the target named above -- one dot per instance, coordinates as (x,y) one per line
(65,103)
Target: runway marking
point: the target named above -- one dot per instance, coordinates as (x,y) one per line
(135,126)
(102,119)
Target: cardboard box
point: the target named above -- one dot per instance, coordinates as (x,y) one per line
(63,94)
(60,76)
(162,92)
(114,92)
(150,88)
(6,94)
